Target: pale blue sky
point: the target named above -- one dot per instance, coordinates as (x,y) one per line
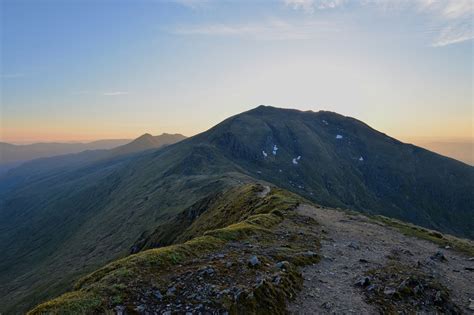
(78,70)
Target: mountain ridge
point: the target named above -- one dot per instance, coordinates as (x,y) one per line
(107,208)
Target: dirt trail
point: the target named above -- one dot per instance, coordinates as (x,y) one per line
(351,245)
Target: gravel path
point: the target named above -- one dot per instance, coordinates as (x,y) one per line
(351,245)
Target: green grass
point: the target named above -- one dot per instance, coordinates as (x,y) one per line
(111,284)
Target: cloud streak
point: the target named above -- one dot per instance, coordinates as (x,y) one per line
(12,75)
(310,6)
(272,29)
(452,19)
(115,93)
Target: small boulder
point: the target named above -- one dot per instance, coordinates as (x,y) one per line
(120,310)
(140,308)
(171,291)
(363,282)
(439,256)
(254,261)
(389,291)
(282,264)
(158,295)
(471,304)
(354,245)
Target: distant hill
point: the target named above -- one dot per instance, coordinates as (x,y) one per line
(12,155)
(146,142)
(69,221)
(30,170)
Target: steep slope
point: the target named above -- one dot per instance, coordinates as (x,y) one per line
(65,223)
(247,262)
(62,225)
(341,162)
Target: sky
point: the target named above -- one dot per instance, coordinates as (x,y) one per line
(97,69)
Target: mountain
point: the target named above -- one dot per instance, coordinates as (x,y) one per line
(67,222)
(146,142)
(12,155)
(31,170)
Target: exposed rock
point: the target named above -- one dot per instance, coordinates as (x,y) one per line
(354,245)
(389,291)
(158,295)
(327,305)
(439,256)
(171,291)
(140,308)
(282,264)
(254,261)
(120,310)
(471,304)
(363,282)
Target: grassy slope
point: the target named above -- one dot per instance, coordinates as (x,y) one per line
(80,220)
(235,217)
(394,179)
(64,224)
(120,282)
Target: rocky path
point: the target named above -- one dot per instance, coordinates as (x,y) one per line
(351,245)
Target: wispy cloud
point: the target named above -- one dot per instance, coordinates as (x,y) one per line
(82,92)
(12,75)
(310,6)
(453,34)
(452,20)
(193,4)
(115,93)
(271,29)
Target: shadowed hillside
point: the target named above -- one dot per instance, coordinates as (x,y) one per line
(70,221)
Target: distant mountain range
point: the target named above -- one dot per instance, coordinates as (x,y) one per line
(12,155)
(79,212)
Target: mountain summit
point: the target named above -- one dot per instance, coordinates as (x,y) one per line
(147,141)
(341,162)
(69,222)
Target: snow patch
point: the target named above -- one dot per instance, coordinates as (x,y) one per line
(325,122)
(296,159)
(361,159)
(339,137)
(275,149)
(264,154)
